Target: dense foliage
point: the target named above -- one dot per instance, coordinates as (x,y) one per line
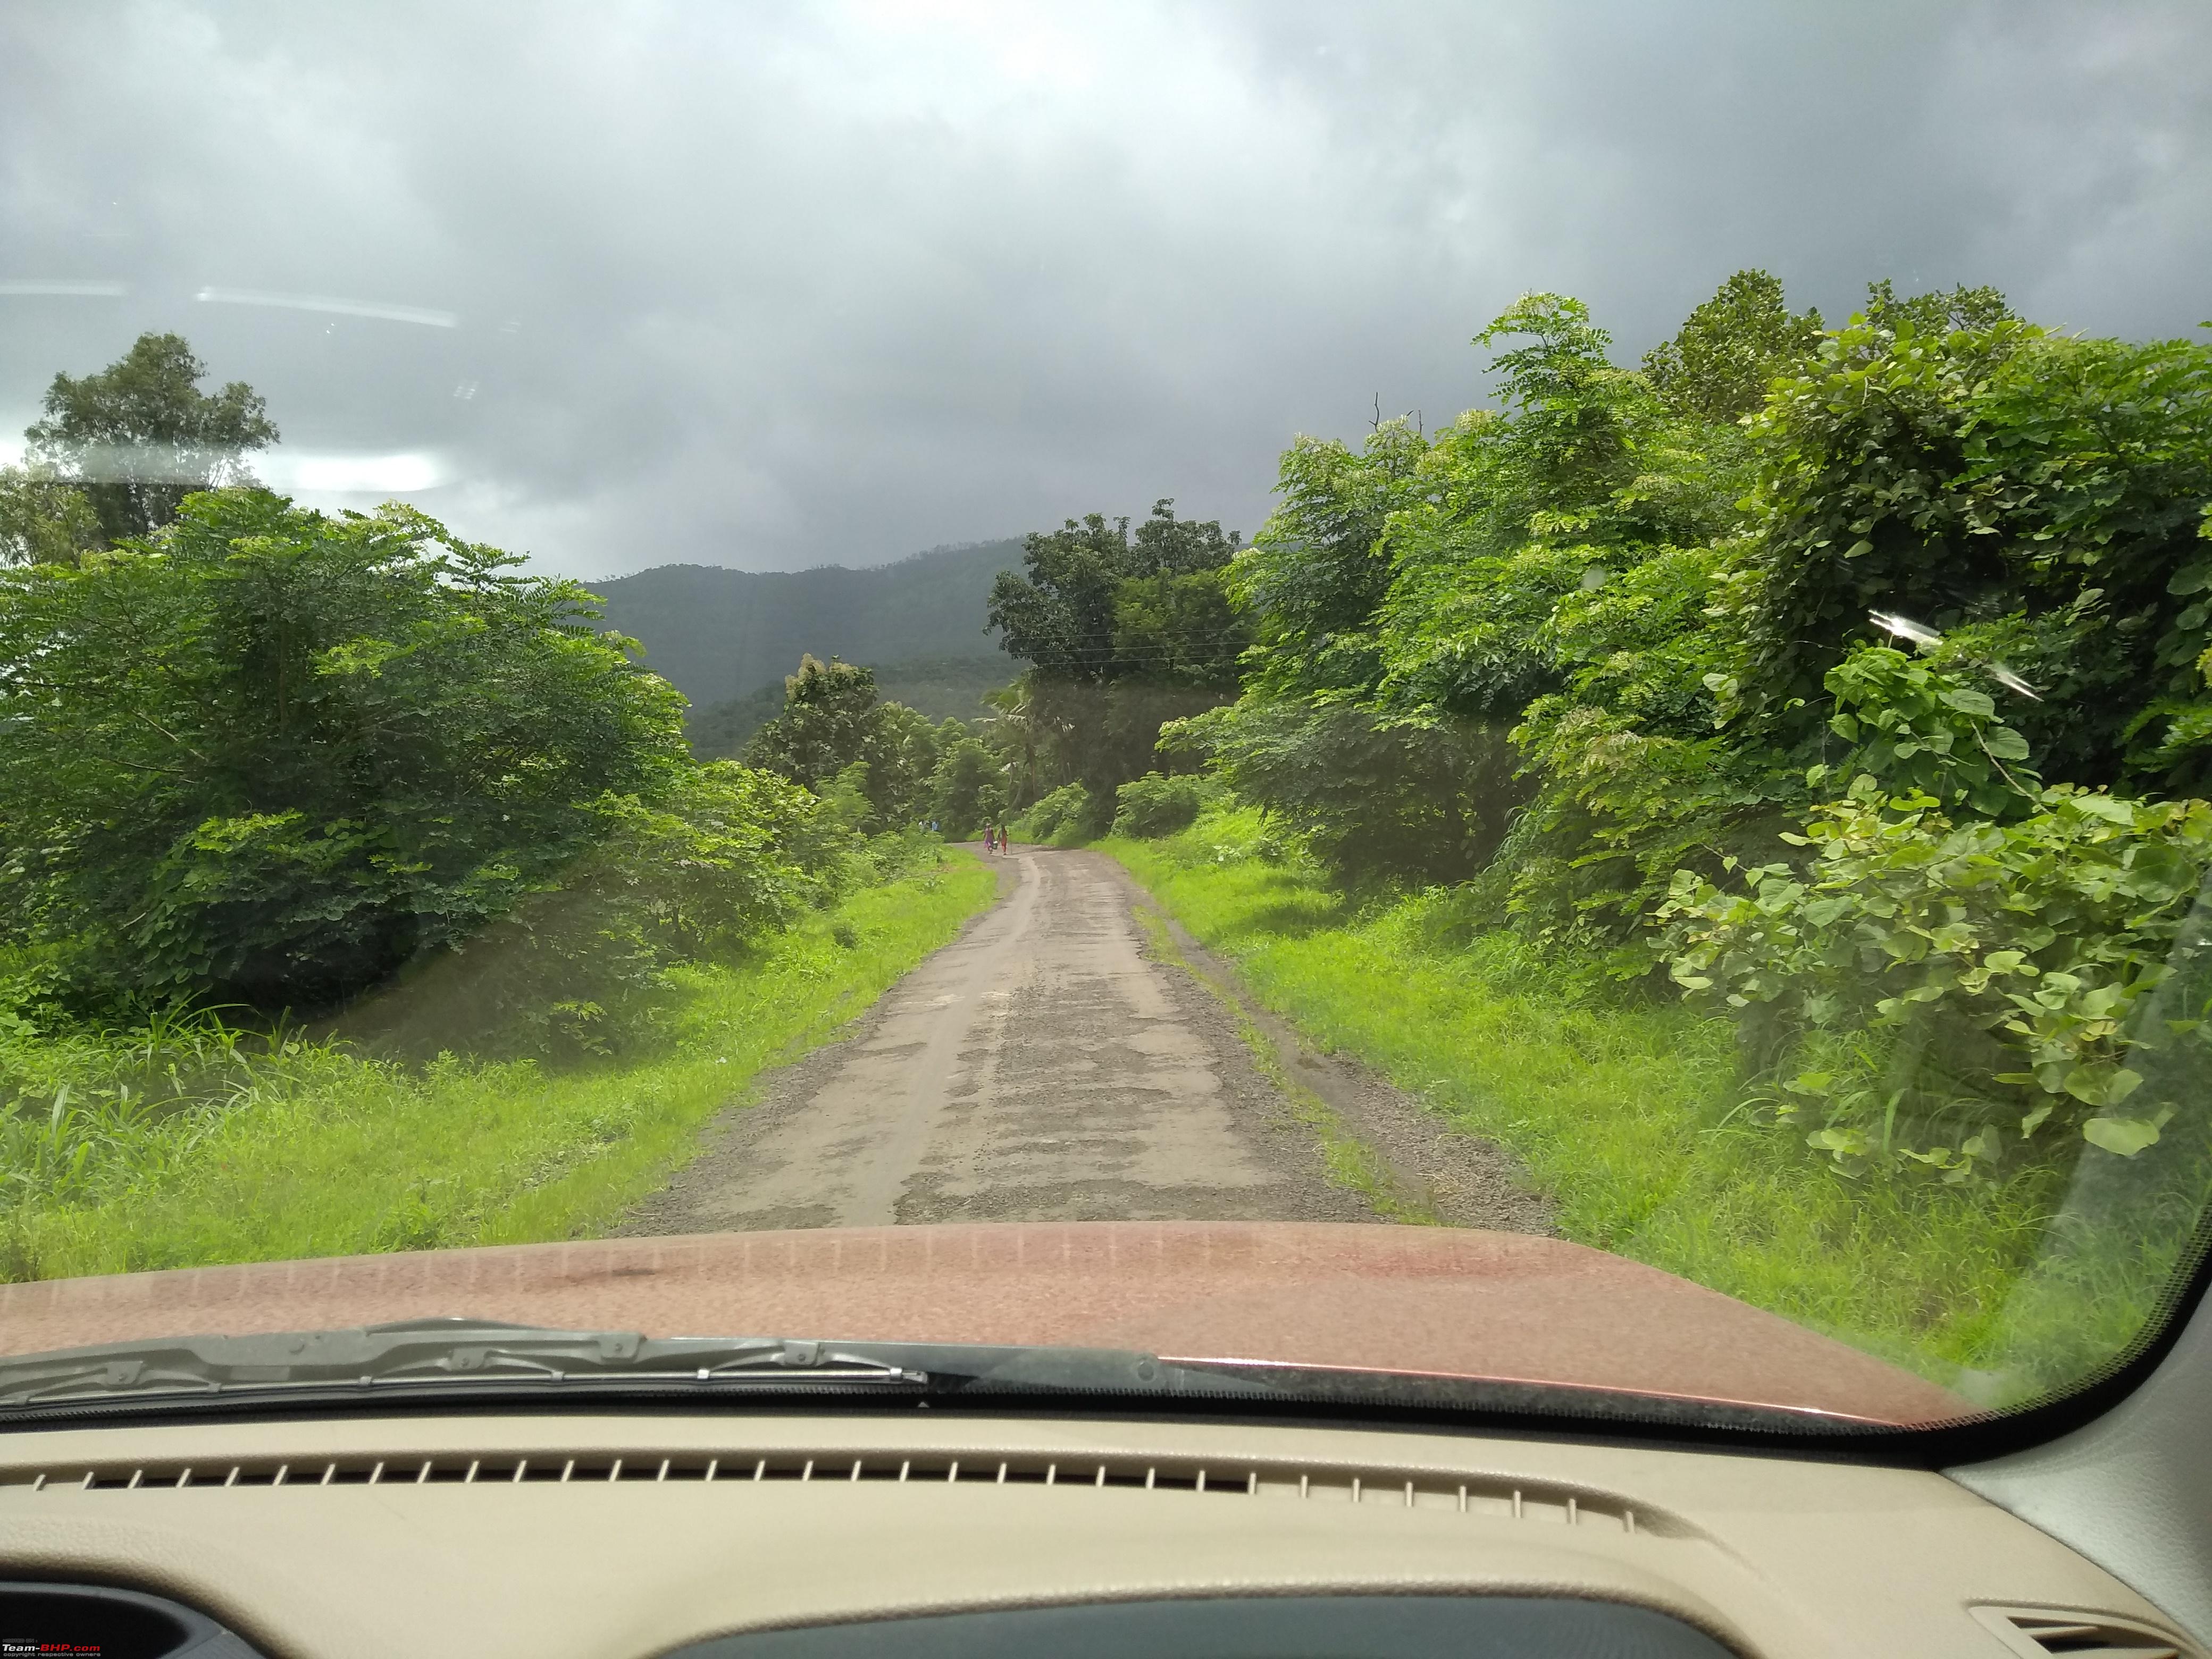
(830,718)
(1125,631)
(1855,679)
(883,764)
(1717,366)
(272,757)
(1953,985)
(1156,806)
(262,762)
(43,516)
(1061,811)
(140,435)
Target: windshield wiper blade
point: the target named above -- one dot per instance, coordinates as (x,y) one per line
(437,1356)
(426,1353)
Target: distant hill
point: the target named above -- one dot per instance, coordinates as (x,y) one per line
(719,636)
(942,686)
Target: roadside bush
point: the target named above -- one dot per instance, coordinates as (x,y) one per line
(1154,806)
(1065,809)
(1918,729)
(728,856)
(1953,993)
(1960,475)
(1229,832)
(1373,796)
(270,756)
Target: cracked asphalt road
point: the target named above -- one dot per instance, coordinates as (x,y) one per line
(1053,1064)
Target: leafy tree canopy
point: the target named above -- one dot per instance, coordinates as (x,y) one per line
(967,790)
(1942,312)
(139,436)
(828,720)
(271,756)
(1590,567)
(1717,366)
(1181,630)
(834,731)
(1844,672)
(43,518)
(1124,630)
(1317,571)
(2037,500)
(1061,615)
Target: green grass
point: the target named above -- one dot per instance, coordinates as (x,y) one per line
(1619,1109)
(316,1152)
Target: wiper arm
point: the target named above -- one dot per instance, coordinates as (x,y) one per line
(439,1356)
(563,1356)
(430,1352)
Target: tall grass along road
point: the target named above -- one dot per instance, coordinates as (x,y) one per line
(293,1148)
(1622,1110)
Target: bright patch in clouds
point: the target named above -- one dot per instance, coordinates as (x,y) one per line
(384,475)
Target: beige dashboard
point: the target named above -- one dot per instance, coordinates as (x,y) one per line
(605,1536)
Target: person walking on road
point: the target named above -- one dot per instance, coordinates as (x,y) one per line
(990,839)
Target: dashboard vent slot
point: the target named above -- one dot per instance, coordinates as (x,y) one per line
(1378,1488)
(2059,1633)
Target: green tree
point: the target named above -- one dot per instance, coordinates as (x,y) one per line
(835,734)
(1181,629)
(2036,500)
(43,519)
(968,787)
(1390,670)
(1019,728)
(1581,474)
(1124,631)
(1317,572)
(828,721)
(899,765)
(274,756)
(139,436)
(1973,309)
(1059,613)
(1719,363)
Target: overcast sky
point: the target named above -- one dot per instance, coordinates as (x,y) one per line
(770,286)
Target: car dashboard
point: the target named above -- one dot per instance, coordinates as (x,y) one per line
(818,1535)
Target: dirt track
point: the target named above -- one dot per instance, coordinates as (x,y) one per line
(1072,1056)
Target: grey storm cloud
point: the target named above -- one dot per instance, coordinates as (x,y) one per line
(623,285)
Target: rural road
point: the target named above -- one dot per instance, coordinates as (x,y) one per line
(1072,1056)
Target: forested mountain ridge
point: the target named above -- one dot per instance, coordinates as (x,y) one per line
(716,633)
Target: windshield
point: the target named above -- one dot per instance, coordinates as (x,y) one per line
(1384,698)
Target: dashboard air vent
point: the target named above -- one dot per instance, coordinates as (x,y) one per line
(1371,1487)
(2047,1632)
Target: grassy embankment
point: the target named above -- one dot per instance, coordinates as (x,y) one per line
(319,1151)
(1620,1110)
